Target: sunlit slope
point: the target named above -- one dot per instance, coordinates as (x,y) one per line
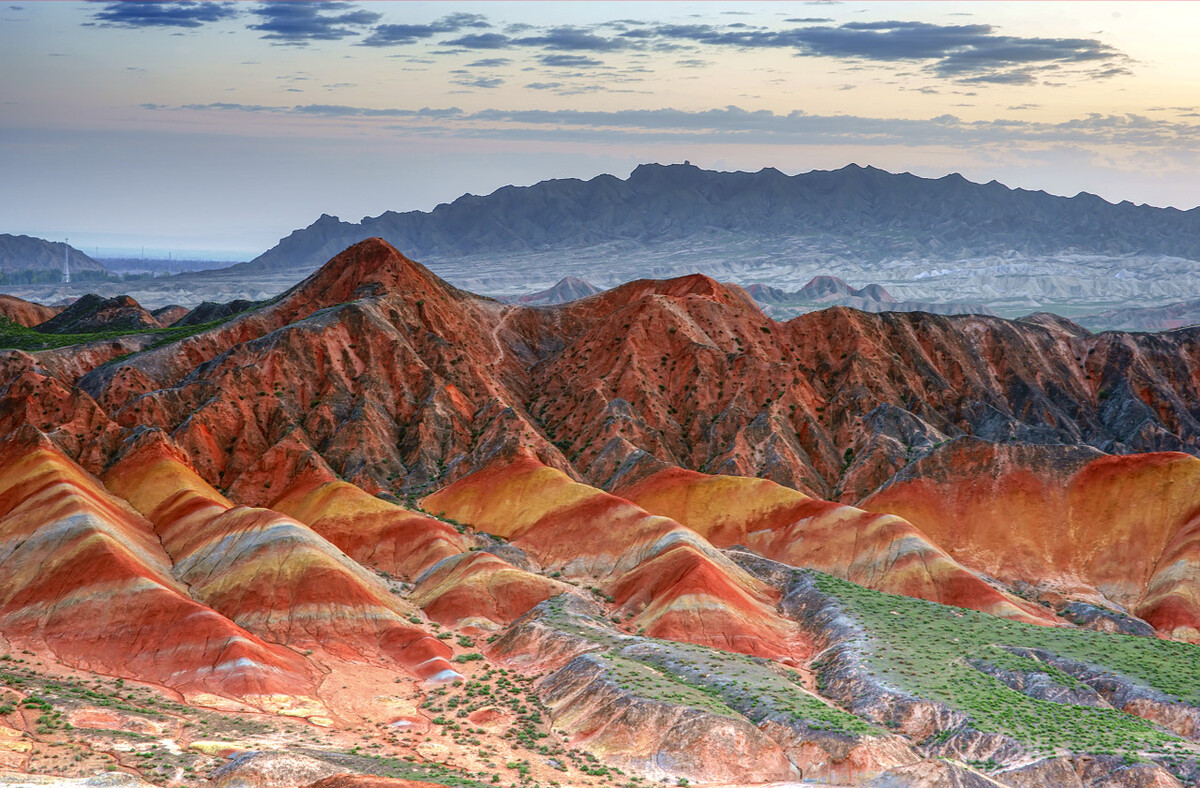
(85,575)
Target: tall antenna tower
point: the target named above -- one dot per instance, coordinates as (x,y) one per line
(67,261)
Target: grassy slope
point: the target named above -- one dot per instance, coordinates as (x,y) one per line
(925,648)
(14,336)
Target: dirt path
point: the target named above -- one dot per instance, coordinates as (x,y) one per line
(507,313)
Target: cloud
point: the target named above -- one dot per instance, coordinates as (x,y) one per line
(573,39)
(971,52)
(733,124)
(490,62)
(481,41)
(153,13)
(569,61)
(544,85)
(1015,77)
(478,82)
(298,23)
(314,110)
(395,35)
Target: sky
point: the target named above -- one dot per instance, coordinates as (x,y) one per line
(214,129)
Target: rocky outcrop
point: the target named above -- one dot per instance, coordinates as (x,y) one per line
(93,314)
(656,738)
(1089,772)
(273,770)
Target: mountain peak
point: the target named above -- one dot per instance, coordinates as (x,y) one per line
(682,287)
(569,288)
(825,285)
(370,267)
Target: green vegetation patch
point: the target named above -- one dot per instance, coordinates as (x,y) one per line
(386,766)
(660,685)
(706,678)
(926,648)
(14,336)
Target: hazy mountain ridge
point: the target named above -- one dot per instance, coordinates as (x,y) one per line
(877,212)
(925,240)
(1156,318)
(21,253)
(826,291)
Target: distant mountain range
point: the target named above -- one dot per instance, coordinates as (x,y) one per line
(821,292)
(827,291)
(1154,318)
(878,213)
(925,240)
(23,258)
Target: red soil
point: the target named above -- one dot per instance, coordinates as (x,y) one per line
(878,551)
(1120,529)
(26,313)
(88,579)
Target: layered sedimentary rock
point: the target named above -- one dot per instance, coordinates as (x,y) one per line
(1117,531)
(432,530)
(268,572)
(85,575)
(880,551)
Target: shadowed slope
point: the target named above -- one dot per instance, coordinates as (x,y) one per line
(85,575)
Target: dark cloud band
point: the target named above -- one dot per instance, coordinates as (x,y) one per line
(319,20)
(152,13)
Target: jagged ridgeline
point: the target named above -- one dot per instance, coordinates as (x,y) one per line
(383,527)
(888,214)
(943,245)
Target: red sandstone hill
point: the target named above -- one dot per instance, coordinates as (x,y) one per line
(376,371)
(26,313)
(1122,533)
(582,536)
(398,380)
